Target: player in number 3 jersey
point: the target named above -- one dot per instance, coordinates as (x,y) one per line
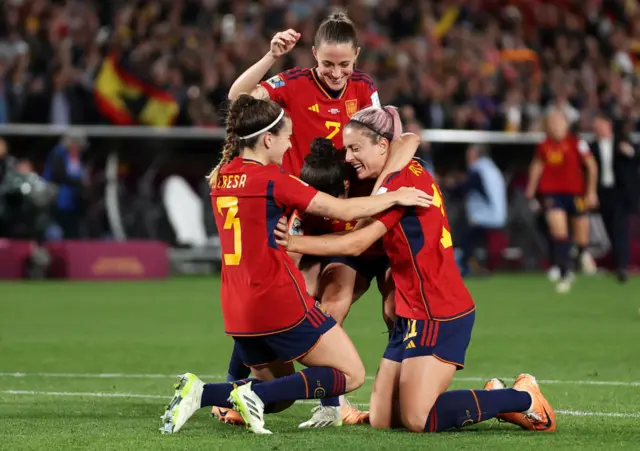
(320,100)
(265,304)
(435,312)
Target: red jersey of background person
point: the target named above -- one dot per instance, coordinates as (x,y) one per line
(419,246)
(563,165)
(314,112)
(262,290)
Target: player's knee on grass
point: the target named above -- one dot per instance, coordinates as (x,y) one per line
(414,420)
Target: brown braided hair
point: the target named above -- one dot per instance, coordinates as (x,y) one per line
(246,115)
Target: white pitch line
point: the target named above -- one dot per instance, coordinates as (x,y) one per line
(573,413)
(223,377)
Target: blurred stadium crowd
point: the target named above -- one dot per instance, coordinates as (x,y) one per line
(476,64)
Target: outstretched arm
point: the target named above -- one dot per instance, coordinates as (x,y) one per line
(350,244)
(363,207)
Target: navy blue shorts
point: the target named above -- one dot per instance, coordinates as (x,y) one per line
(445,340)
(287,346)
(368,267)
(570,204)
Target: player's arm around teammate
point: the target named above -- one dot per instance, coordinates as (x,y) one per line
(435,312)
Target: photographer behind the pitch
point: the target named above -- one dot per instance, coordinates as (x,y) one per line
(25,202)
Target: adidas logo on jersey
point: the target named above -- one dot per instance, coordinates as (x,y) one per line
(411,345)
(315,108)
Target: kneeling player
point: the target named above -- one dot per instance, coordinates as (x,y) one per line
(337,282)
(264,302)
(435,312)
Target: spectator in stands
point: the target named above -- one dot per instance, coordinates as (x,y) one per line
(482,65)
(7,162)
(485,196)
(618,186)
(64,168)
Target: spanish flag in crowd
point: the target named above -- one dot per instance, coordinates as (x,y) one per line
(125,99)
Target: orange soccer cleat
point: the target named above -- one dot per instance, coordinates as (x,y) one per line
(540,416)
(352,415)
(228,416)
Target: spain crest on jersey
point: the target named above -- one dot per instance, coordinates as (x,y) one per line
(351,107)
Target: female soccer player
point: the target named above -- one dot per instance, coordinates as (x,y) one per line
(320,101)
(435,312)
(557,173)
(264,302)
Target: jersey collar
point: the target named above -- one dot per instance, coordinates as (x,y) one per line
(250,161)
(324,89)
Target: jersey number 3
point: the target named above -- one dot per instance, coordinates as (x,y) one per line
(445,239)
(230,204)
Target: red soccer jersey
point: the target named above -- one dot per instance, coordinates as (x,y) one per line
(420,250)
(563,165)
(314,113)
(262,290)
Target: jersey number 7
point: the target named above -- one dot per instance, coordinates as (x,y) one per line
(334,127)
(230,204)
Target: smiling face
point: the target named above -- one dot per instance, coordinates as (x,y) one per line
(367,156)
(335,63)
(276,144)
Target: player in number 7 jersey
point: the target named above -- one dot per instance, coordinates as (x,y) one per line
(320,100)
(435,312)
(265,304)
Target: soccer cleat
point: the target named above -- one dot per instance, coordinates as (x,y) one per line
(352,415)
(323,417)
(497,384)
(553,274)
(185,402)
(251,407)
(227,416)
(588,264)
(564,285)
(540,416)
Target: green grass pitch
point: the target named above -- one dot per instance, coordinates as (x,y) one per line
(63,339)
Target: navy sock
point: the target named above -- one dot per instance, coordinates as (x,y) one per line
(330,402)
(218,394)
(458,408)
(237,369)
(315,382)
(563,251)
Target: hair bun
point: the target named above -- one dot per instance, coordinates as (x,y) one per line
(340,16)
(322,147)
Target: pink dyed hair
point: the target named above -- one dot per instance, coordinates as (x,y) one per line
(378,122)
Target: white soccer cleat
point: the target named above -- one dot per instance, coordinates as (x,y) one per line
(588,264)
(553,274)
(184,404)
(564,285)
(250,406)
(324,417)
